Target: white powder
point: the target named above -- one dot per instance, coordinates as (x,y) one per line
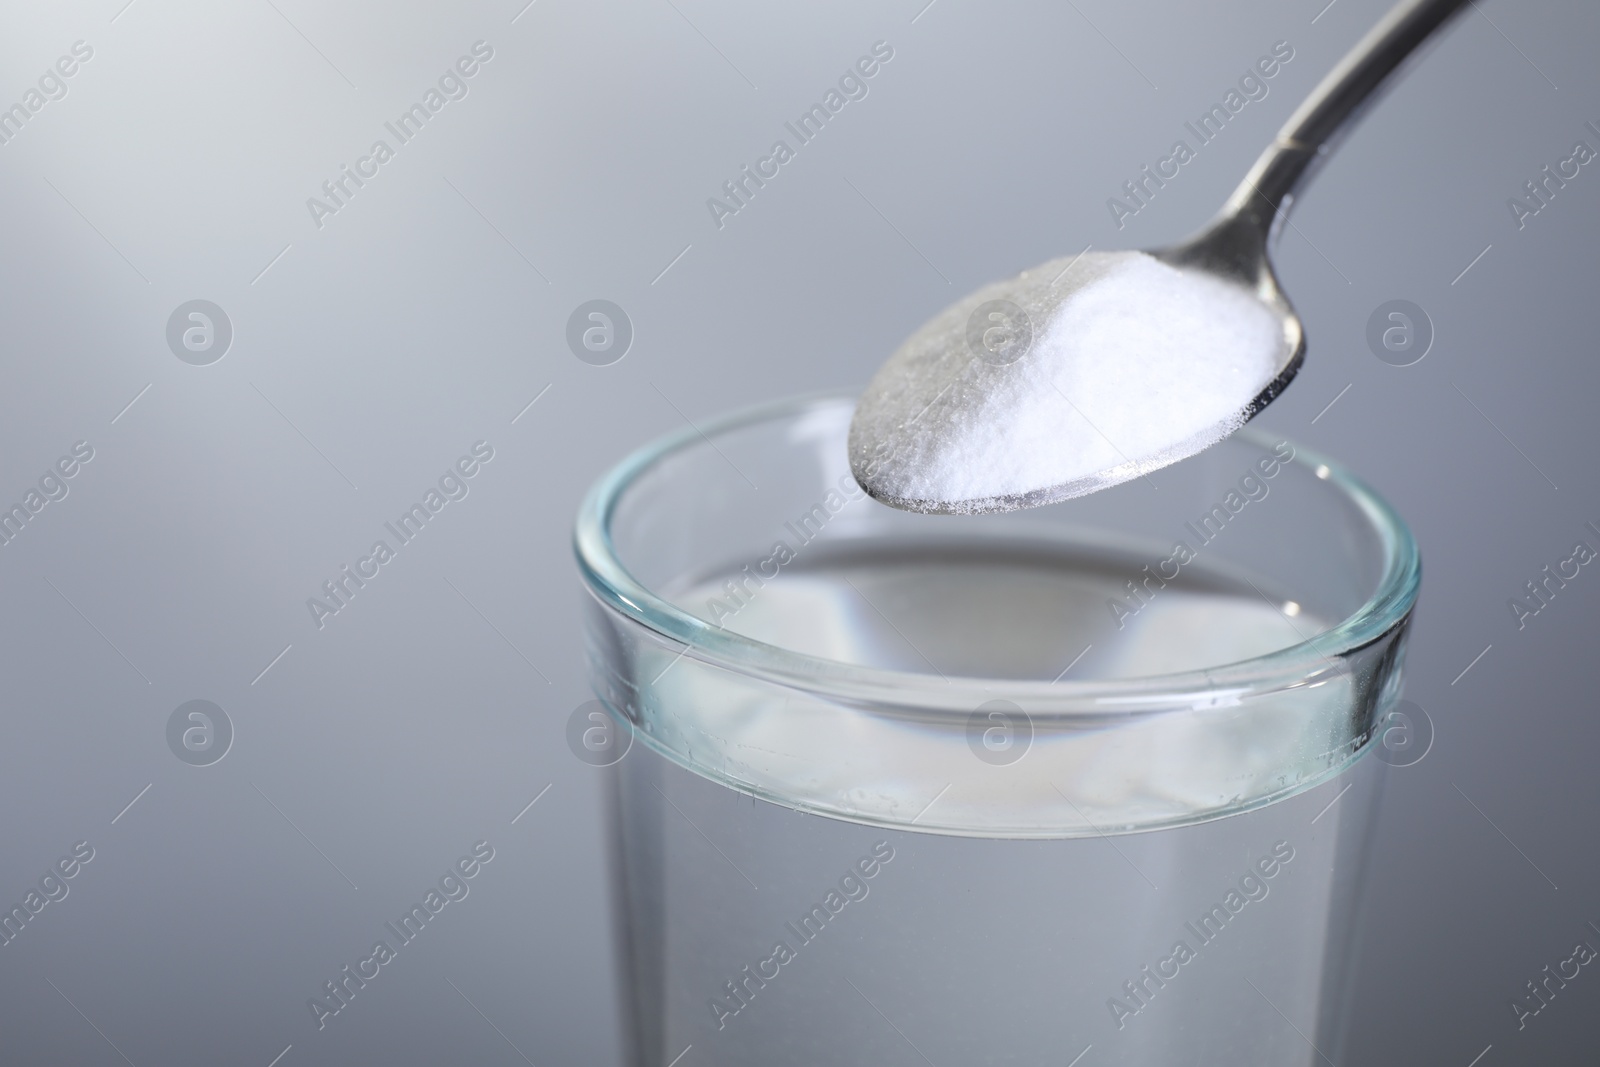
(1132,365)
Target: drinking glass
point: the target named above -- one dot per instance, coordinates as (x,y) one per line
(1082,785)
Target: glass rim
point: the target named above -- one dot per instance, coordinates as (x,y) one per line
(1306,662)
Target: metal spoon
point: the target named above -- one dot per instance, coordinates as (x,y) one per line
(1232,249)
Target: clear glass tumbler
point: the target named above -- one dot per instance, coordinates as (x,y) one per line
(1080,785)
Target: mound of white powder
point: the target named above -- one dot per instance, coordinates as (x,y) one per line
(1076,380)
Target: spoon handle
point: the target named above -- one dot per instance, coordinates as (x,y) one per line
(1313,130)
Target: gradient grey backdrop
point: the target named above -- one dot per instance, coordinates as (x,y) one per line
(427,313)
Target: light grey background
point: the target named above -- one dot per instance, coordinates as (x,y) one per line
(370,353)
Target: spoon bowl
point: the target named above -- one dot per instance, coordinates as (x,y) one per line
(972,413)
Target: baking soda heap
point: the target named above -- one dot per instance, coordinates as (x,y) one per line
(1072,377)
